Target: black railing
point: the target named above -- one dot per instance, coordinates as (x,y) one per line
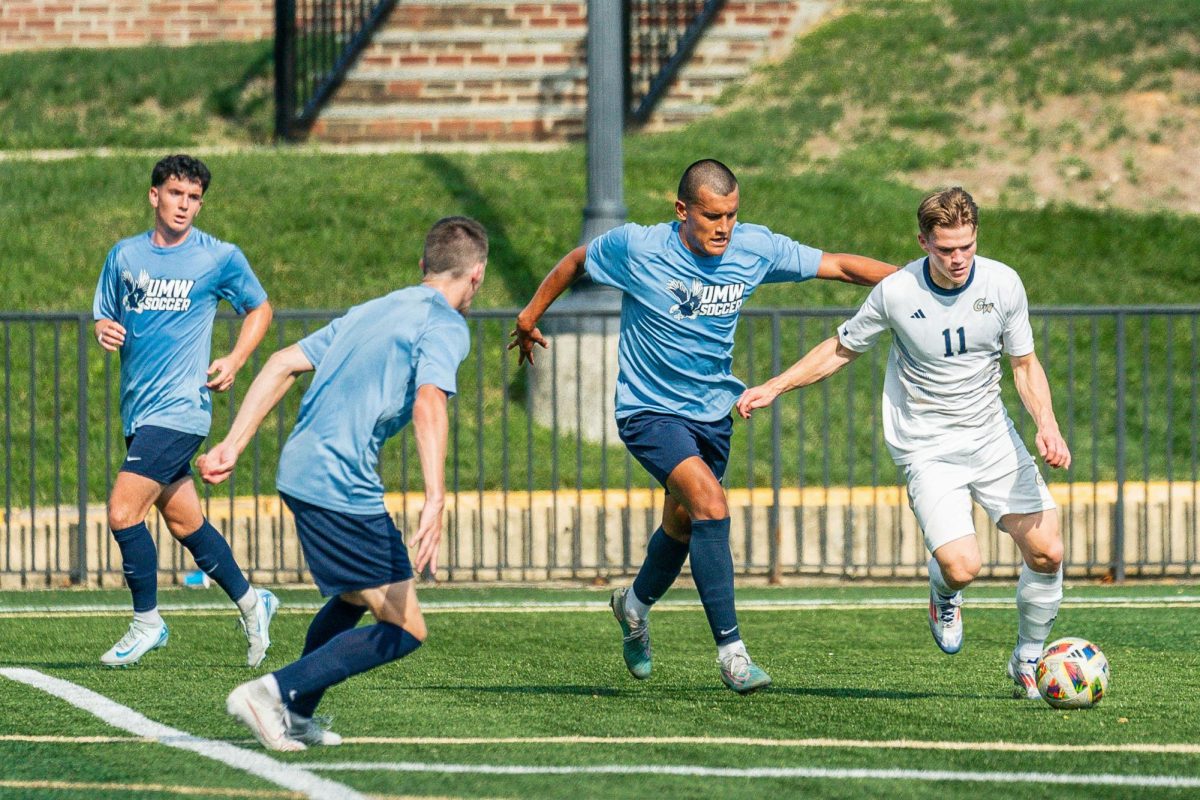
(316,42)
(659,38)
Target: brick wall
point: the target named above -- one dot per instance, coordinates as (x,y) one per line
(49,24)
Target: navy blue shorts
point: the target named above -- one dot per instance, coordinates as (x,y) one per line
(160,454)
(348,552)
(661,442)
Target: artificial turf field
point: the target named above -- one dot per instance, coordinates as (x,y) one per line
(521,693)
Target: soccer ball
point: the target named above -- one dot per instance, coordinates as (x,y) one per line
(1072,673)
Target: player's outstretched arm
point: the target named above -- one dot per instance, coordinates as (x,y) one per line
(526,334)
(254,328)
(849,268)
(269,387)
(1034,389)
(817,364)
(431,426)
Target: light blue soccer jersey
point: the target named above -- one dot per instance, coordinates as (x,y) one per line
(369,365)
(166,298)
(679,311)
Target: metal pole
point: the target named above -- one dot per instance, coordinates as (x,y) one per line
(1118,564)
(605,119)
(82,341)
(285,67)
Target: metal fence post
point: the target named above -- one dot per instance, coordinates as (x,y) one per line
(1118,561)
(285,68)
(79,572)
(776,529)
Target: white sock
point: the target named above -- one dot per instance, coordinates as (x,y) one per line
(148,619)
(247,602)
(634,607)
(724,651)
(1038,597)
(937,581)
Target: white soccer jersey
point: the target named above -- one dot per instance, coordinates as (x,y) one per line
(942,390)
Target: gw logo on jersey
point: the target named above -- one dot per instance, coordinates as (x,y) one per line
(705,301)
(983,307)
(155,294)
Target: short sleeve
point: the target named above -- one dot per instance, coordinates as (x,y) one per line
(239,285)
(1018,334)
(316,344)
(792,262)
(860,332)
(439,351)
(608,258)
(107,302)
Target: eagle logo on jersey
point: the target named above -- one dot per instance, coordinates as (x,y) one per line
(689,300)
(135,293)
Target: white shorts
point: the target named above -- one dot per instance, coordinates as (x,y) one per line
(1001,476)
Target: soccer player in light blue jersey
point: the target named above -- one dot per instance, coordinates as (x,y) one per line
(386,362)
(154,304)
(683,286)
(952,315)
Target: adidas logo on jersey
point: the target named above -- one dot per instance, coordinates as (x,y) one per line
(918,314)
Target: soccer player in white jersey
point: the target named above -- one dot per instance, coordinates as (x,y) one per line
(952,315)
(683,285)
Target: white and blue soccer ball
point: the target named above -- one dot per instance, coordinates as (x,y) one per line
(1072,673)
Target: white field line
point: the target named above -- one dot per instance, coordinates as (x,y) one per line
(542,606)
(281,774)
(1140,781)
(716,741)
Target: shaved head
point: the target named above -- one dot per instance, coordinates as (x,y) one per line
(707,174)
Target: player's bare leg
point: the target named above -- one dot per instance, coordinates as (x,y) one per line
(953,566)
(1039,591)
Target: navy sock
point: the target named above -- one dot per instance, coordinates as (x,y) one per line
(712,570)
(139,560)
(212,554)
(346,654)
(664,559)
(336,616)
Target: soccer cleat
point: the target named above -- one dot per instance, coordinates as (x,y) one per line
(311,730)
(258,634)
(137,641)
(253,704)
(945,621)
(1024,676)
(635,646)
(742,675)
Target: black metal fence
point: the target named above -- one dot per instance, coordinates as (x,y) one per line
(537,491)
(316,43)
(659,38)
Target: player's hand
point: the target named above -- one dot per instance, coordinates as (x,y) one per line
(110,334)
(526,336)
(759,396)
(1053,449)
(226,369)
(427,537)
(217,464)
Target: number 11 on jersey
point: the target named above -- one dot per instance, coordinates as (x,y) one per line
(962,342)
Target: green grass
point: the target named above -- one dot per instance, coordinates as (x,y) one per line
(868,673)
(168,97)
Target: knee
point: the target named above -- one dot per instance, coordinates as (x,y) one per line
(416,628)
(121,516)
(710,507)
(960,569)
(1046,556)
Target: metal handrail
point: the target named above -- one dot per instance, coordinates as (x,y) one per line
(659,38)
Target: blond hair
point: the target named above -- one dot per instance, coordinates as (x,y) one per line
(947,208)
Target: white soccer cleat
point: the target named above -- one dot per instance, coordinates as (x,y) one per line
(137,641)
(258,634)
(312,731)
(253,704)
(1024,675)
(945,621)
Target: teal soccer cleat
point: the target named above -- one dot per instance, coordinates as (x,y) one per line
(635,645)
(742,675)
